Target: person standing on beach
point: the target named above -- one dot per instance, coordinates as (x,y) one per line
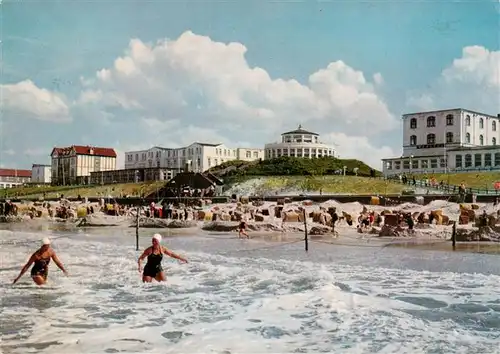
(153,268)
(40,260)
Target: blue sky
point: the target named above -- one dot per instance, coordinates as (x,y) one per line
(58,45)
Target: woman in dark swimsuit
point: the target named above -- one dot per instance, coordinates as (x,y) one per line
(153,268)
(40,260)
(241,229)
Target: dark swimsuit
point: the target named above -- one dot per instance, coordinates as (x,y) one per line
(41,268)
(153,265)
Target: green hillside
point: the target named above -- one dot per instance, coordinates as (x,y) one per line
(291,166)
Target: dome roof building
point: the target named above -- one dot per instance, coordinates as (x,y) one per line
(298,143)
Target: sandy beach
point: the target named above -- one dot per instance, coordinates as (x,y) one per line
(284,221)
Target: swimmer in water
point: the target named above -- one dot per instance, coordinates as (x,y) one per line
(153,268)
(40,260)
(241,229)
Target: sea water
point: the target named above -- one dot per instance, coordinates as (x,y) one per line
(247,296)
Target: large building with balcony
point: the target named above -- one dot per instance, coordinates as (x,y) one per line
(450,140)
(199,156)
(73,164)
(298,143)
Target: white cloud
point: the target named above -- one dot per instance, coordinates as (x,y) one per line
(207,84)
(38,151)
(359,147)
(471,81)
(25,99)
(174,92)
(159,126)
(9,152)
(378,79)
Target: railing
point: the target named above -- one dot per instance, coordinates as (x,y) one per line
(446,188)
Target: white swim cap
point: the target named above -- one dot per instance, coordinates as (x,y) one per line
(46,241)
(157,237)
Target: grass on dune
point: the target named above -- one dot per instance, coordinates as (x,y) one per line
(115,190)
(333,184)
(483,180)
(328,185)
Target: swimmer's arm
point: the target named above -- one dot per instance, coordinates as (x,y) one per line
(174,255)
(58,263)
(144,254)
(25,268)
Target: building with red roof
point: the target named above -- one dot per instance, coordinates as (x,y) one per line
(10,177)
(73,164)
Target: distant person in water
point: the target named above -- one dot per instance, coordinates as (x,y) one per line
(241,229)
(40,260)
(153,268)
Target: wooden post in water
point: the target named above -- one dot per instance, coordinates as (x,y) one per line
(137,230)
(454,235)
(306,240)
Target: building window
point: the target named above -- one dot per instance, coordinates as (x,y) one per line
(481,140)
(494,141)
(468,160)
(414,164)
(494,126)
(478,160)
(497,159)
(481,123)
(431,122)
(431,139)
(467,120)
(467,138)
(434,163)
(487,159)
(413,123)
(458,161)
(413,140)
(406,165)
(425,164)
(449,119)
(449,137)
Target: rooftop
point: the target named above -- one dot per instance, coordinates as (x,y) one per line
(85,150)
(451,109)
(300,131)
(11,172)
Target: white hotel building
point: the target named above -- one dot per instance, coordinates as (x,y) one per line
(202,156)
(451,140)
(41,173)
(298,143)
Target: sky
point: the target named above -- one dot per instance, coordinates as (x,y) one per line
(135,74)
